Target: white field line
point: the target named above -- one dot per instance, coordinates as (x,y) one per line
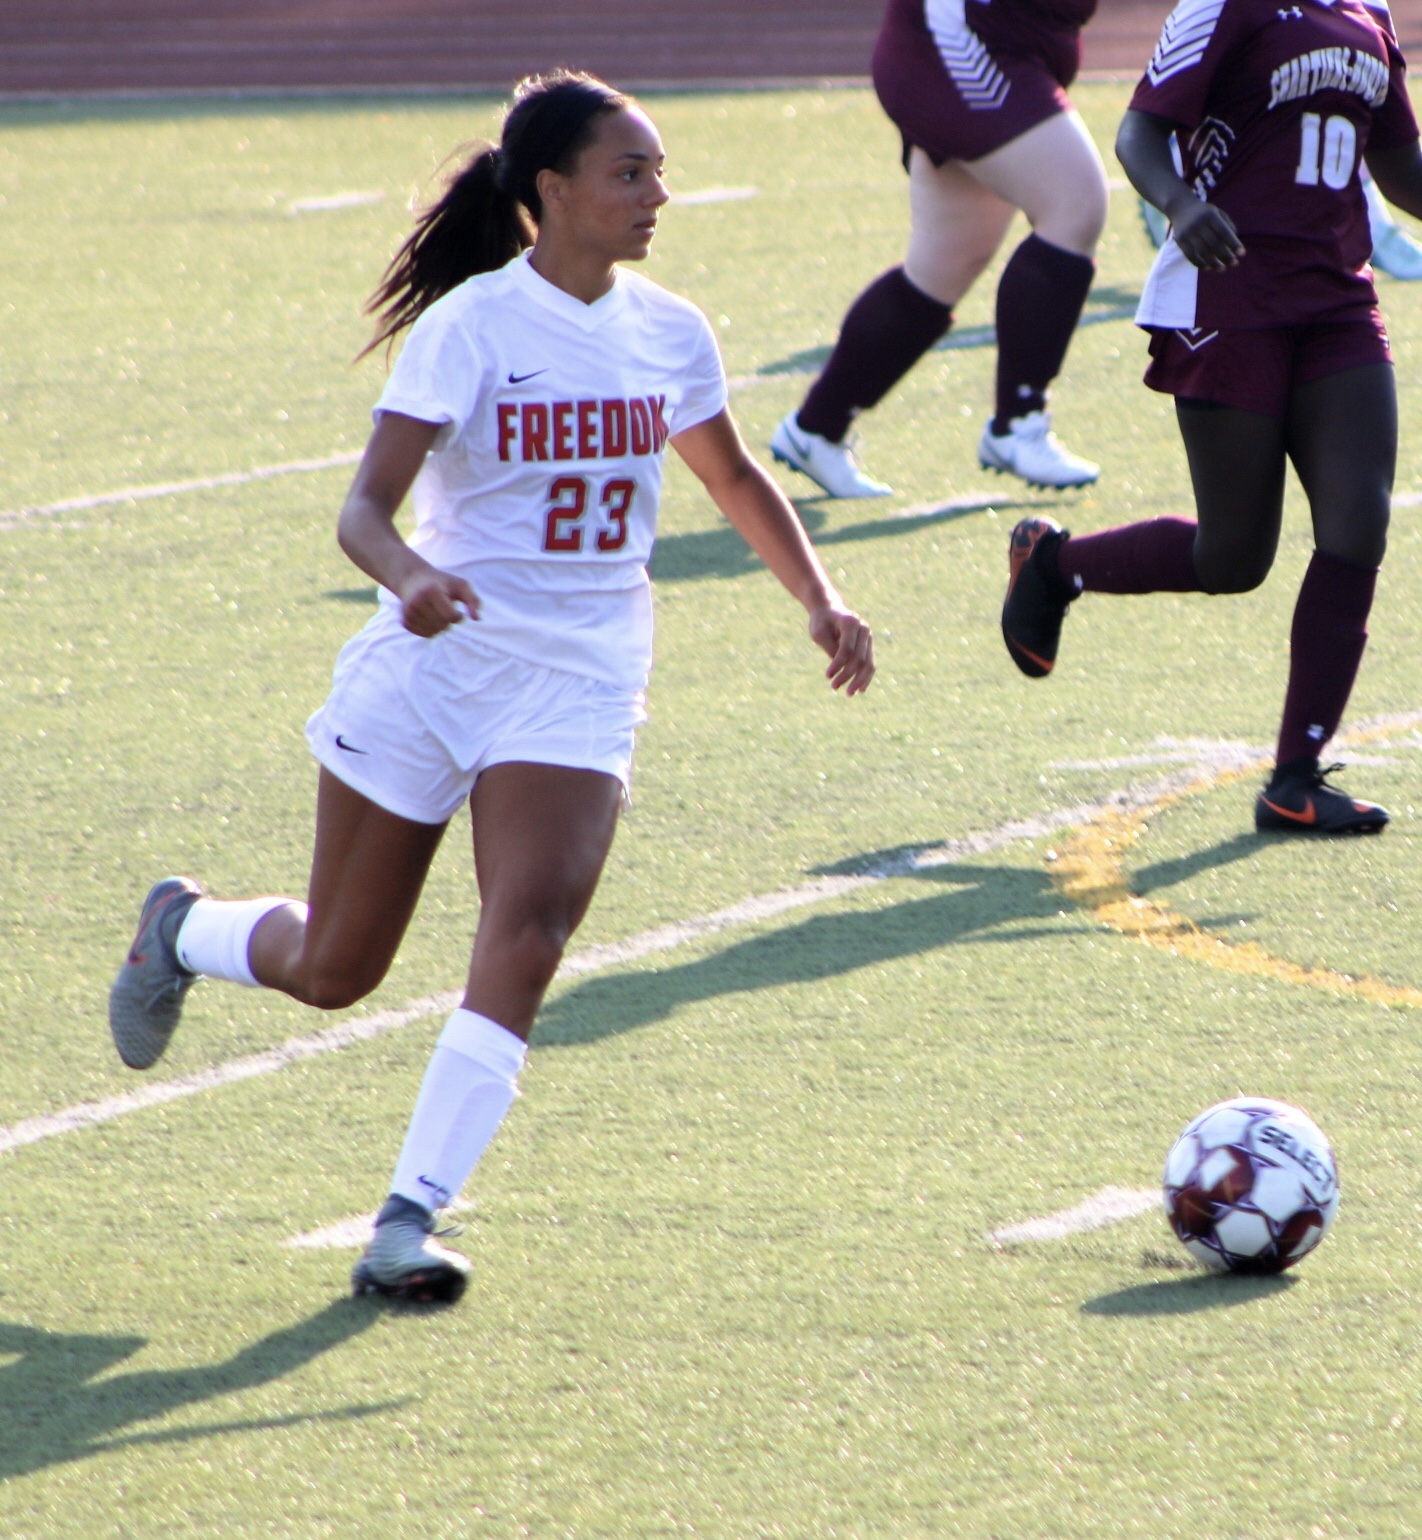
(716,195)
(663,938)
(355,1232)
(969,337)
(294,1051)
(1212,760)
(1110,1206)
(1173,751)
(346,1234)
(9,518)
(346,200)
(13,516)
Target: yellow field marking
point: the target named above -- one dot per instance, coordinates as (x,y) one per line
(1089,870)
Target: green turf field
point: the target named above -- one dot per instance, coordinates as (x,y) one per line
(732,1269)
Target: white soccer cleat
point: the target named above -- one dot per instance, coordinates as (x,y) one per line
(1398,255)
(831,465)
(1031,450)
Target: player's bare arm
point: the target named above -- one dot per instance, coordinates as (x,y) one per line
(757,508)
(1397,169)
(429,598)
(1204,233)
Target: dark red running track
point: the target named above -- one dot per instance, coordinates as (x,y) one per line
(80,46)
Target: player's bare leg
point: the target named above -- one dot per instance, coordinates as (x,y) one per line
(367,872)
(541,837)
(956,226)
(1053,173)
(368,869)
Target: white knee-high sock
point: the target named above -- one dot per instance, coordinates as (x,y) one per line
(215,936)
(470,1084)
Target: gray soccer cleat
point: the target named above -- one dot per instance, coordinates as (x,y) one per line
(404,1261)
(146,1001)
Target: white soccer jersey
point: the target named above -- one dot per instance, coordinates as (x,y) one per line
(542,486)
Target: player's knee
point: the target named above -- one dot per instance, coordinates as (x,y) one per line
(336,989)
(1360,539)
(533,943)
(1232,572)
(1073,218)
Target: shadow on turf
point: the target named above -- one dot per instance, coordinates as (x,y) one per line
(1110,302)
(54,1407)
(1165,874)
(1184,1296)
(721,553)
(823,946)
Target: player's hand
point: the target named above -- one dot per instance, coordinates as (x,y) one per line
(1206,235)
(850,645)
(431,601)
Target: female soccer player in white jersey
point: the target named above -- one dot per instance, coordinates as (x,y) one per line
(1265,328)
(529,411)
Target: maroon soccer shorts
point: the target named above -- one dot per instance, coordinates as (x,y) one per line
(1258,370)
(985,102)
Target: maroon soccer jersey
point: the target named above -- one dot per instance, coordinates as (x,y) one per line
(1275,104)
(961,78)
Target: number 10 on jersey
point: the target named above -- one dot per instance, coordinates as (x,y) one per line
(568,503)
(1327,151)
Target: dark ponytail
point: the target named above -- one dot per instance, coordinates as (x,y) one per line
(488,210)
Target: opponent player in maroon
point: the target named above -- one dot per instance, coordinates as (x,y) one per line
(977,93)
(1265,328)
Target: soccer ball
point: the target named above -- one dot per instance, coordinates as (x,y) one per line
(1251,1186)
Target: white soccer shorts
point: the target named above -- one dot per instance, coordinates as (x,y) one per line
(411,722)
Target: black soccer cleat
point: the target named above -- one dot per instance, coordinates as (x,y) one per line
(1037,598)
(1299,800)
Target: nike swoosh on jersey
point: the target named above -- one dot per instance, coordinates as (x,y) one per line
(518,379)
(1309,814)
(350,748)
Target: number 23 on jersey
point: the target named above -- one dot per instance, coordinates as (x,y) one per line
(569,498)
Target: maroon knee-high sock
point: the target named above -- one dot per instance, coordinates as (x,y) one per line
(1039,300)
(1153,556)
(888,329)
(1325,649)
